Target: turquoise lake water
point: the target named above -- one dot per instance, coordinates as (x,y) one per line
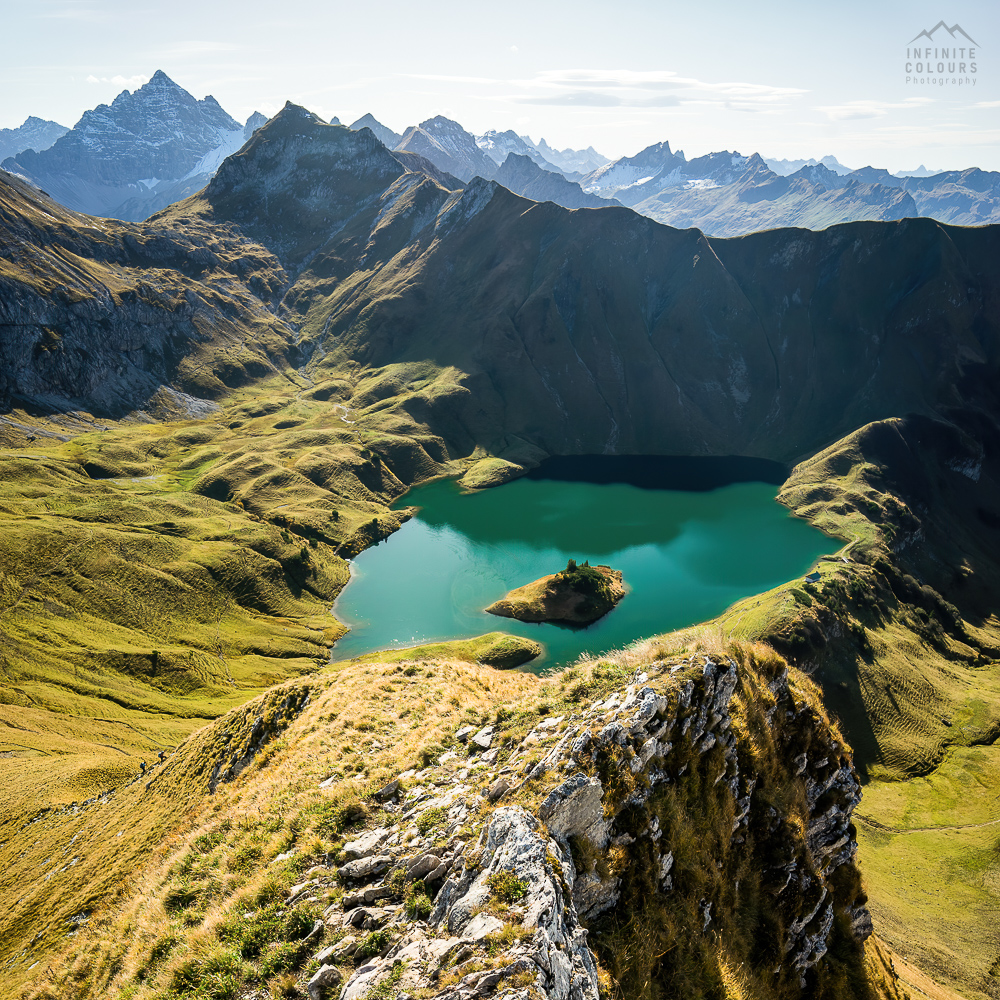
(685,557)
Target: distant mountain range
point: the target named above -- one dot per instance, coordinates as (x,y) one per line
(34,134)
(155,146)
(786,167)
(142,152)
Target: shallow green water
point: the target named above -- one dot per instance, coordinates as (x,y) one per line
(685,558)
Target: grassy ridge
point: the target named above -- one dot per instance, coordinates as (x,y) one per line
(209,914)
(186,856)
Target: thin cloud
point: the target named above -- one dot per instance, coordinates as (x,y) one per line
(128,82)
(857,110)
(644,89)
(595,99)
(450,79)
(658,79)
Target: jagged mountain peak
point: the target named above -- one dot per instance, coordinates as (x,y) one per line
(160,79)
(441,124)
(120,159)
(296,182)
(388,137)
(449,147)
(35,133)
(522,175)
(253,123)
(295,115)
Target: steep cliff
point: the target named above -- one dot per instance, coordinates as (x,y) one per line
(110,318)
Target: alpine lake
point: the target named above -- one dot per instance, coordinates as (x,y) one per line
(691,536)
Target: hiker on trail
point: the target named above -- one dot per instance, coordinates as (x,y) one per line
(142,764)
(161,755)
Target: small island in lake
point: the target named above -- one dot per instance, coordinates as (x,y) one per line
(578,595)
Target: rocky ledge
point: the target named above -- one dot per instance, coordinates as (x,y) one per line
(578,595)
(709,803)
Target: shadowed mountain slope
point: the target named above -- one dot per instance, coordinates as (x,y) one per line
(524,177)
(594,331)
(111,317)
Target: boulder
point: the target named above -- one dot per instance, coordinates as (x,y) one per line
(365,867)
(421,865)
(324,982)
(484,737)
(576,809)
(367,844)
(498,789)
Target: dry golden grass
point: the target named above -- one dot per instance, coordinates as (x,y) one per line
(363,724)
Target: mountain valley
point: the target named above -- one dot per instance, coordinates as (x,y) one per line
(207,413)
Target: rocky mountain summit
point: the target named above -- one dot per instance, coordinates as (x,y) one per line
(132,157)
(525,177)
(499,145)
(571,161)
(448,146)
(385,135)
(35,134)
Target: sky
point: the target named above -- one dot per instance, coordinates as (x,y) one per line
(785,80)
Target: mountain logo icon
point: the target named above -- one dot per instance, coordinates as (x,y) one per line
(953,30)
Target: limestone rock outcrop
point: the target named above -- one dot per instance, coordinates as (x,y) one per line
(682,802)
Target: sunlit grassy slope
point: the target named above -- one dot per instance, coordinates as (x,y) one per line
(210,906)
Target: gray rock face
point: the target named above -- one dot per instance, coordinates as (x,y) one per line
(522,176)
(121,153)
(324,982)
(483,738)
(69,342)
(576,809)
(35,134)
(366,844)
(515,846)
(512,899)
(449,147)
(365,867)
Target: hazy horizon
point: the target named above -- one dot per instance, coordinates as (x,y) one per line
(783,82)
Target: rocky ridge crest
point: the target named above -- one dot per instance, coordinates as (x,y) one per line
(527,895)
